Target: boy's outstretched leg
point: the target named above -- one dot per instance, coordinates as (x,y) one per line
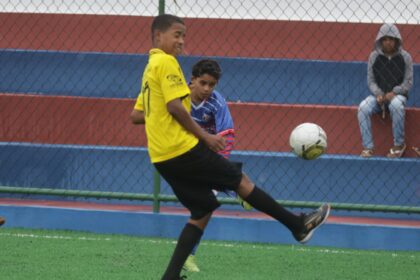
(188,238)
(302,226)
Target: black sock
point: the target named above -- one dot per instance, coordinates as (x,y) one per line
(266,204)
(186,242)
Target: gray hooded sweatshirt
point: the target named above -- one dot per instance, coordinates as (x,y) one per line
(393,73)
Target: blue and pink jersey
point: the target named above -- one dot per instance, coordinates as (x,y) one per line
(214,116)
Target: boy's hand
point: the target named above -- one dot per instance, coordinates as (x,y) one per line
(389,96)
(380,99)
(215,142)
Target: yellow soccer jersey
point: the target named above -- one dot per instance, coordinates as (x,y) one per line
(163,81)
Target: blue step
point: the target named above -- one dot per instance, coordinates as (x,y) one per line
(334,178)
(244,79)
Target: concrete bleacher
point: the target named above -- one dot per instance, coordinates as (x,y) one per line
(259,126)
(278,90)
(339,179)
(85,99)
(108,75)
(245,38)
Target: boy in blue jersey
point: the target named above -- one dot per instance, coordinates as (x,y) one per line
(209,109)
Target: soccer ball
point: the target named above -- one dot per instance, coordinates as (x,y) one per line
(308,141)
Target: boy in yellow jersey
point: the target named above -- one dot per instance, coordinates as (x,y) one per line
(186,155)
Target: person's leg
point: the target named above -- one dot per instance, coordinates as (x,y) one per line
(366,108)
(302,226)
(397,111)
(194,250)
(188,238)
(190,263)
(192,176)
(263,202)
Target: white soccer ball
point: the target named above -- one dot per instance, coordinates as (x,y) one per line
(308,141)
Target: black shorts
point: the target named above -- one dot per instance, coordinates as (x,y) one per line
(195,174)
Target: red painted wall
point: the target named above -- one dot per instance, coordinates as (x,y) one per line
(262,127)
(68,120)
(208,37)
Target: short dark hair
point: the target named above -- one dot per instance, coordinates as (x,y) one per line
(207,66)
(164,22)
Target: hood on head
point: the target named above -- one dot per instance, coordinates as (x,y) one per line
(389,30)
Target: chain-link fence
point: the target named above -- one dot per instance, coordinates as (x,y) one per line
(70,72)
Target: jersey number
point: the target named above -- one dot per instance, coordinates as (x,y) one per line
(146,98)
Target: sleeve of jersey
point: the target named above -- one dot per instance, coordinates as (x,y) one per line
(139,103)
(172,81)
(224,127)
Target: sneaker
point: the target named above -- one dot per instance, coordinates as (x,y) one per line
(244,204)
(417,150)
(190,264)
(2,221)
(397,151)
(311,222)
(366,153)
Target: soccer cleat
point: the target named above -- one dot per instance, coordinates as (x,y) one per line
(311,222)
(190,264)
(245,204)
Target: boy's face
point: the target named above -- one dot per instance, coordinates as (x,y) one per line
(388,45)
(171,41)
(202,87)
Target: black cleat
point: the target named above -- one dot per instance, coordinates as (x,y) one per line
(311,222)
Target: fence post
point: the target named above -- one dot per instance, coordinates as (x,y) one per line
(156,176)
(156,192)
(161,7)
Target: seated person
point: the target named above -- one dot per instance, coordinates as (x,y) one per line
(390,77)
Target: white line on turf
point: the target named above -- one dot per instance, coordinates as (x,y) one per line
(261,246)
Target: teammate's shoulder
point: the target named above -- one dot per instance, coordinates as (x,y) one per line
(219,99)
(218,95)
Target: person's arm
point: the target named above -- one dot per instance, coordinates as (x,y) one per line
(175,108)
(229,136)
(224,126)
(407,83)
(137,117)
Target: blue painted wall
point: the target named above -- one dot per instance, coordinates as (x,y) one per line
(361,236)
(244,79)
(346,179)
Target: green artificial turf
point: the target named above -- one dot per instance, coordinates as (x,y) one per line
(41,254)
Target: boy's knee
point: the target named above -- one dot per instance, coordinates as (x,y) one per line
(200,222)
(367,104)
(396,105)
(245,180)
(245,187)
(364,108)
